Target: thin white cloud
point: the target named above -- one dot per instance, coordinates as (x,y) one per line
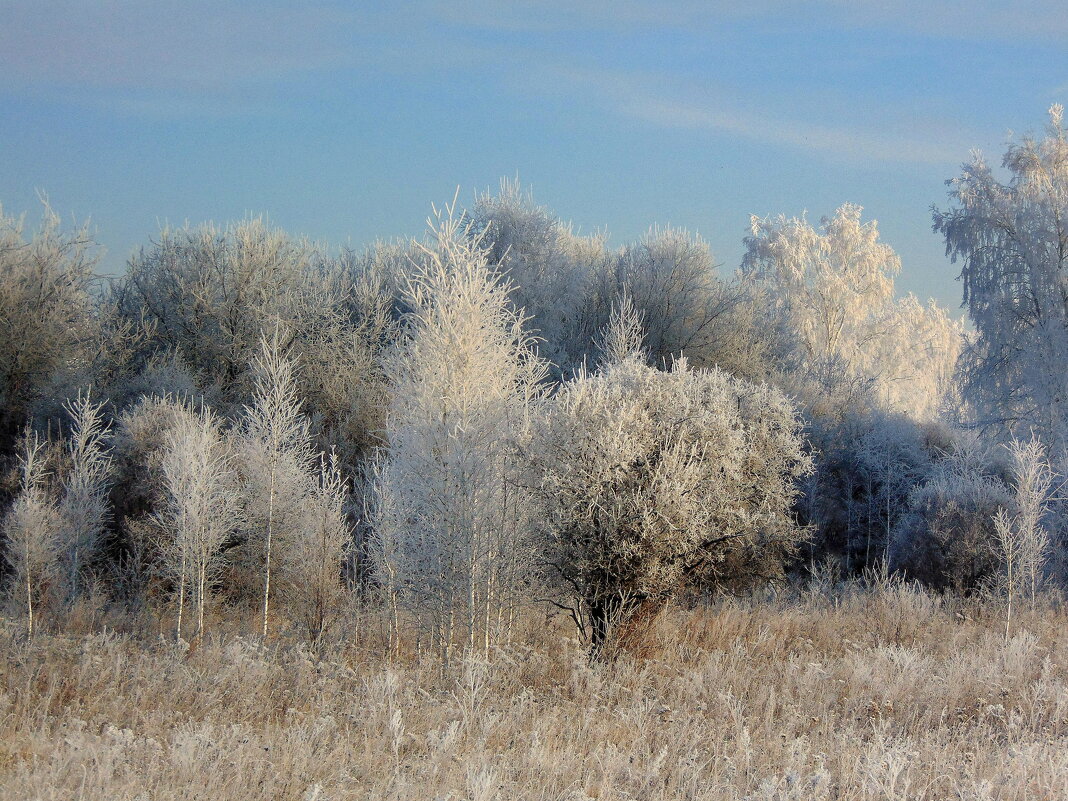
(660,101)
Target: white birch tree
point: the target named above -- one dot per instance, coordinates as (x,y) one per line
(84,508)
(31,531)
(201,508)
(832,291)
(453,546)
(277,458)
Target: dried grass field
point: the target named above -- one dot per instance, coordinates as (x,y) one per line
(885,694)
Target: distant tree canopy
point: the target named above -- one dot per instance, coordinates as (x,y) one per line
(832,294)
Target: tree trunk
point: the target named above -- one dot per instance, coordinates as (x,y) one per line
(267,572)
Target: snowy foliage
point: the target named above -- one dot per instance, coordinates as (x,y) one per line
(201,507)
(276,457)
(312,559)
(892,455)
(832,292)
(1022,538)
(295,498)
(1012,242)
(568,285)
(453,543)
(46,320)
(207,294)
(510,412)
(31,531)
(686,309)
(84,510)
(553,271)
(656,481)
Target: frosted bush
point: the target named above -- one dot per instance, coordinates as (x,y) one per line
(657,481)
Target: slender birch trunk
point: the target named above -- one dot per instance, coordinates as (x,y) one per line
(270,537)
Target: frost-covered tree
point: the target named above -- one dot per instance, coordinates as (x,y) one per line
(200,509)
(831,292)
(453,546)
(1011,239)
(686,308)
(31,531)
(1023,540)
(890,455)
(554,272)
(313,558)
(569,284)
(656,481)
(139,444)
(207,293)
(84,509)
(46,312)
(276,456)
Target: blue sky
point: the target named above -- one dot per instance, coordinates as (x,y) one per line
(345,121)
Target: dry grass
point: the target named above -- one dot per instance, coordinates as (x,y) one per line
(882,696)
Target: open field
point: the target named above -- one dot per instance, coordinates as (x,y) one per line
(881,695)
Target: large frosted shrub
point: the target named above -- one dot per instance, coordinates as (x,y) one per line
(208,293)
(948,539)
(657,481)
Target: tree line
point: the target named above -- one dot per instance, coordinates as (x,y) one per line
(507,413)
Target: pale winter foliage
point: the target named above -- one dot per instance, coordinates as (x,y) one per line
(276,457)
(139,445)
(686,309)
(313,559)
(657,481)
(201,507)
(46,324)
(31,531)
(554,273)
(1012,241)
(569,284)
(207,293)
(832,291)
(84,511)
(1024,542)
(453,520)
(295,499)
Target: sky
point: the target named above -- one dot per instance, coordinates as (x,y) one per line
(344,122)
